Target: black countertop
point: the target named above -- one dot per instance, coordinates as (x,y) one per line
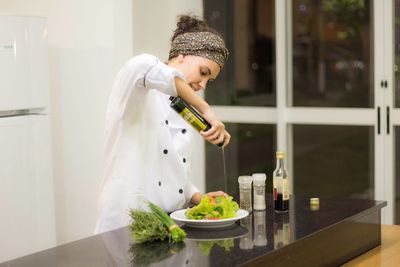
(337,231)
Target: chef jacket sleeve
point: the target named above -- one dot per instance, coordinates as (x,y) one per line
(133,82)
(162,77)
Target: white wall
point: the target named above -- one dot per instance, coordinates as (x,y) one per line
(89,41)
(153,27)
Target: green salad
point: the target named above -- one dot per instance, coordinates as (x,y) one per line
(211,208)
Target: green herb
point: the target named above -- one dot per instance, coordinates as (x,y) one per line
(154,225)
(146,227)
(177,234)
(211,208)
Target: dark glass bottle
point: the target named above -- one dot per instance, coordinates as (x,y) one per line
(191,115)
(281,184)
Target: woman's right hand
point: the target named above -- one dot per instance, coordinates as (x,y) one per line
(217,134)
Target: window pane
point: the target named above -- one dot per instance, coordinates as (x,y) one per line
(332,58)
(334,161)
(397,53)
(252,149)
(397,174)
(248,78)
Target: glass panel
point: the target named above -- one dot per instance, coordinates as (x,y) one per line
(248,78)
(397,52)
(397,175)
(252,149)
(332,53)
(334,161)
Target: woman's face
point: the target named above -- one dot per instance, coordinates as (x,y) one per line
(198,70)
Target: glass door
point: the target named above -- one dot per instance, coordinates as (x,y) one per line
(336,112)
(331,98)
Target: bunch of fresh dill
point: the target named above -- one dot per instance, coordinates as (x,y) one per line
(146,227)
(154,225)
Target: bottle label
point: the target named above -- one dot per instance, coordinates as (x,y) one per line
(275,188)
(285,189)
(188,116)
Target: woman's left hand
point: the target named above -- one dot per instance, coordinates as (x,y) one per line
(196,198)
(217,194)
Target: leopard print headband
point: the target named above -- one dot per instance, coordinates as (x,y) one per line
(203,44)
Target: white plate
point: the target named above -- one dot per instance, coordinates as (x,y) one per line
(180,216)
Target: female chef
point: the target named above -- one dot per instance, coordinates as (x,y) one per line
(147,145)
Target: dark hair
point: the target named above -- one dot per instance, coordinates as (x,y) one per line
(191,23)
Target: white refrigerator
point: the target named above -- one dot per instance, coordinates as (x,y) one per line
(27,221)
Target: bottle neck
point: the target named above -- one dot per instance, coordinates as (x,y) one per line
(279,163)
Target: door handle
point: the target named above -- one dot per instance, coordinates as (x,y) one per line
(379,120)
(387,120)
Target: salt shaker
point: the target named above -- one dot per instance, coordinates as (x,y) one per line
(259,190)
(245,202)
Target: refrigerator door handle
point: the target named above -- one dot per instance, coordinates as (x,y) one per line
(21,112)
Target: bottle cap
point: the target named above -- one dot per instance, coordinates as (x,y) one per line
(314,203)
(259,178)
(280,154)
(245,180)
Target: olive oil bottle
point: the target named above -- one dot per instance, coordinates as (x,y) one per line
(281,184)
(189,114)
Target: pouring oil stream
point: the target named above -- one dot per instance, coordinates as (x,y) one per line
(225,179)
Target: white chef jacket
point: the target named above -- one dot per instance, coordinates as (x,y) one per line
(147,144)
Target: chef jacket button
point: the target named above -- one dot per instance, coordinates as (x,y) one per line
(159,183)
(183,131)
(180,191)
(184,160)
(165,151)
(166,122)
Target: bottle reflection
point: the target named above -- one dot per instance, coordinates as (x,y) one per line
(260,232)
(246,242)
(281,229)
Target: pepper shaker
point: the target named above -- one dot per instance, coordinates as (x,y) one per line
(245,202)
